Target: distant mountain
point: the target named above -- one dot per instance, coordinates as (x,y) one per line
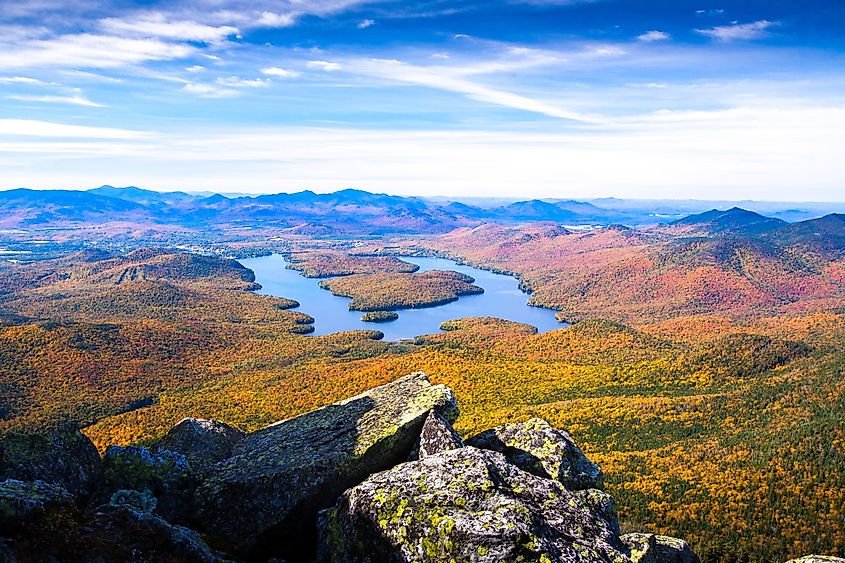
(344,212)
(142,196)
(25,208)
(732,221)
(826,234)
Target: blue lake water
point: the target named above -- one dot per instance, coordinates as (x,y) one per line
(501,298)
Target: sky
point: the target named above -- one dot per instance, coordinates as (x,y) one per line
(501,98)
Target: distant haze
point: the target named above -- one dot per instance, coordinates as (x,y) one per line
(496,98)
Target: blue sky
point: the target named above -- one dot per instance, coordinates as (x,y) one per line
(544,98)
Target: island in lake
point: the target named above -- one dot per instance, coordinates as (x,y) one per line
(389,291)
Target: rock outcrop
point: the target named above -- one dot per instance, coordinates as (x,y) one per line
(64,457)
(263,500)
(538,448)
(652,548)
(167,475)
(202,442)
(379,477)
(464,504)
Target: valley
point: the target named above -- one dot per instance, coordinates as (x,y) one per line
(703,371)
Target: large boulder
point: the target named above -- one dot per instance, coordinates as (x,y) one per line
(202,442)
(543,450)
(464,504)
(125,532)
(64,457)
(652,548)
(23,503)
(166,475)
(40,520)
(263,501)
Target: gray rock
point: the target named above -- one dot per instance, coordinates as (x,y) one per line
(817,559)
(30,503)
(437,436)
(263,500)
(652,548)
(140,501)
(202,442)
(464,504)
(602,504)
(64,457)
(119,533)
(166,474)
(538,448)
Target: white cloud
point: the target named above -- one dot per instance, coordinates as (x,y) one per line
(76,99)
(89,51)
(272,19)
(235,82)
(21,80)
(35,128)
(280,72)
(209,91)
(739,31)
(157,25)
(327,66)
(654,35)
(195,68)
(453,80)
(364,24)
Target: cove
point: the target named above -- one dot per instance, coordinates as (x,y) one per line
(502,298)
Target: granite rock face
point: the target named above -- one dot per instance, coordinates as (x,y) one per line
(464,504)
(538,448)
(264,498)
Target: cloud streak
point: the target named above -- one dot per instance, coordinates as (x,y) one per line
(739,31)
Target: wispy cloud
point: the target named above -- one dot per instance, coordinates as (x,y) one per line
(76,99)
(21,80)
(90,51)
(235,82)
(209,90)
(272,19)
(158,25)
(280,72)
(37,128)
(364,24)
(327,66)
(739,31)
(454,80)
(654,35)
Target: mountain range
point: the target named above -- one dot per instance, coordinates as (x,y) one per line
(343,212)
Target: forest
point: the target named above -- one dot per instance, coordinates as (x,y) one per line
(714,418)
(390,291)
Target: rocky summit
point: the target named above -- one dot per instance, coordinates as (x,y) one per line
(378,477)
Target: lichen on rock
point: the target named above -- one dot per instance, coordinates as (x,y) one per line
(464,504)
(538,448)
(263,499)
(653,548)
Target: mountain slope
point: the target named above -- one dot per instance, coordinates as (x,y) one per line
(735,221)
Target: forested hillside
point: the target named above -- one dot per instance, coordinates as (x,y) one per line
(706,376)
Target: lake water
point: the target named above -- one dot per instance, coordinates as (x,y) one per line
(501,298)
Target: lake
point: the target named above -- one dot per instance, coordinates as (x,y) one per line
(501,298)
